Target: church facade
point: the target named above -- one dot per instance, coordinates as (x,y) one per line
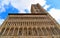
(37,24)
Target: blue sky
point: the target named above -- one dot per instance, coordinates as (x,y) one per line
(53,4)
(23,6)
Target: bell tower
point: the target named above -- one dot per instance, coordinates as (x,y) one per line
(36,8)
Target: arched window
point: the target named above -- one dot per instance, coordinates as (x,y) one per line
(25,31)
(20,32)
(15,31)
(29,31)
(34,31)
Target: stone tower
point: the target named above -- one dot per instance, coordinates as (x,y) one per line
(37,24)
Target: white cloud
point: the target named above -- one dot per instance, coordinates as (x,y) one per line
(2,9)
(1,21)
(22,11)
(2,3)
(46,6)
(55,13)
(23,4)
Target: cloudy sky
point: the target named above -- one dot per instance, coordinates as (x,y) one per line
(23,6)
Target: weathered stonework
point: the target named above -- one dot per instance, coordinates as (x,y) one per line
(37,24)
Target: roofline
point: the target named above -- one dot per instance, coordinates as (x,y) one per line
(27,13)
